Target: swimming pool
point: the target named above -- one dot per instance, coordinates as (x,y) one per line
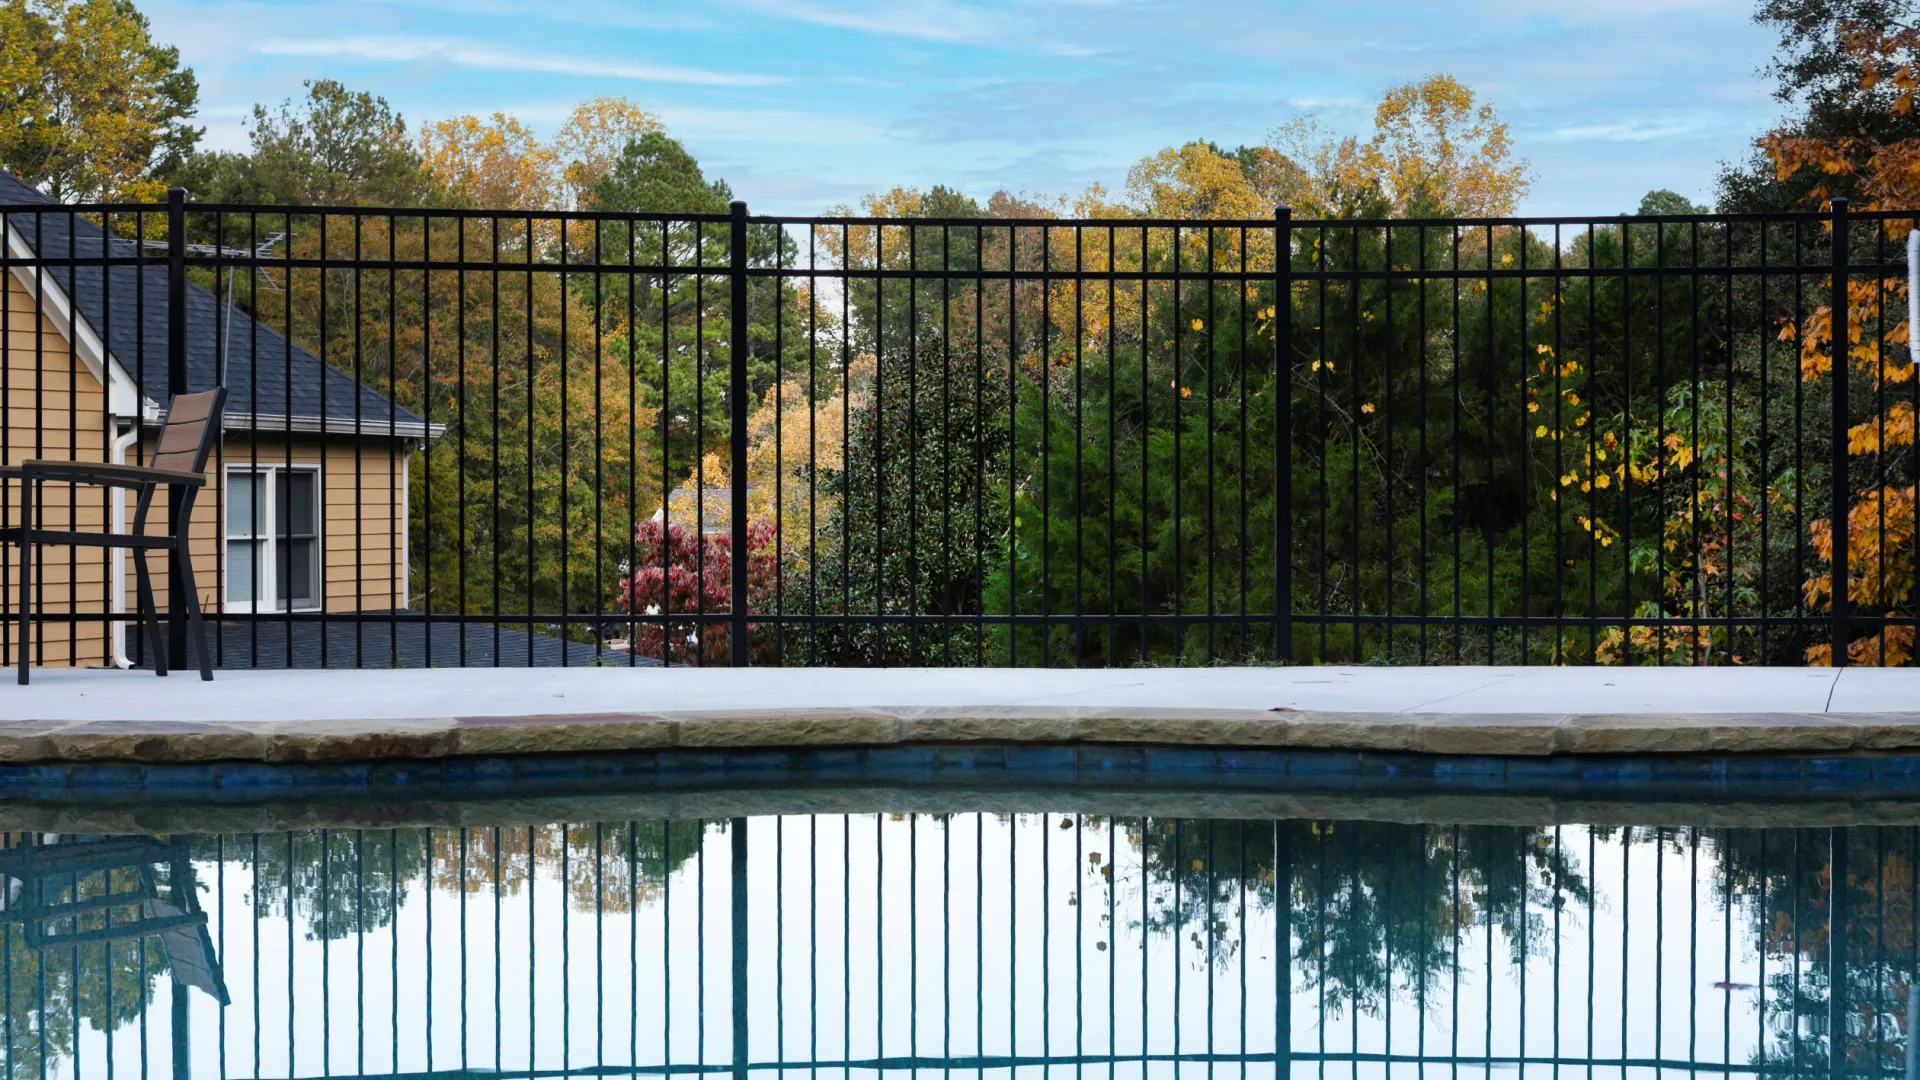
(1020,932)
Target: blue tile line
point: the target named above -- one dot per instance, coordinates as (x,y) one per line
(1019,765)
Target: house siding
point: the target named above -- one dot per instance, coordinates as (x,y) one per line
(363,495)
(362,522)
(55,409)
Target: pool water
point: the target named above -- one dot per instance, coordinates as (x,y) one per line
(1027,945)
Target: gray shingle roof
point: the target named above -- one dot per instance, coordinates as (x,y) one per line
(127,306)
(376,644)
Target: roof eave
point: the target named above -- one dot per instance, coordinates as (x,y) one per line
(313,425)
(80,334)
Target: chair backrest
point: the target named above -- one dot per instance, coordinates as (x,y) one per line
(193,422)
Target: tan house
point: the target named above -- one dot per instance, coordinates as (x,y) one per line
(306,510)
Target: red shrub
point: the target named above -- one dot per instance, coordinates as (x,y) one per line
(676,574)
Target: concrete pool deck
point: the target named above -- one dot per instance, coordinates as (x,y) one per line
(116,716)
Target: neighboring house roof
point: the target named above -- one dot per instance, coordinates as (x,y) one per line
(712,514)
(272,383)
(375,643)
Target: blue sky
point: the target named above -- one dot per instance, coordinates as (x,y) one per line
(804,104)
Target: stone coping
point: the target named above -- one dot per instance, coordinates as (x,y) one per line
(1502,734)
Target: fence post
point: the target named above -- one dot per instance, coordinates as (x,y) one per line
(737,430)
(737,835)
(1283,949)
(1838,1009)
(1842,605)
(1282,434)
(176,384)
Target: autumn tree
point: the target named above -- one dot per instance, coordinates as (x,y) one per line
(1879,577)
(594,139)
(1817,80)
(1436,151)
(500,163)
(795,446)
(495,163)
(1198,181)
(91,107)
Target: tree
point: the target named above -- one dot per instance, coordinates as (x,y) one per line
(1436,151)
(499,163)
(795,441)
(673,327)
(91,108)
(495,163)
(680,572)
(1879,577)
(336,147)
(594,138)
(1817,77)
(921,504)
(653,173)
(1195,181)
(1439,153)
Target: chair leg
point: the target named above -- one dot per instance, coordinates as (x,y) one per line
(148,614)
(25,643)
(195,624)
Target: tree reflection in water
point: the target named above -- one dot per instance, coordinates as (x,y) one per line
(1723,940)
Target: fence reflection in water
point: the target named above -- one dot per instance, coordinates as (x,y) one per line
(1026,945)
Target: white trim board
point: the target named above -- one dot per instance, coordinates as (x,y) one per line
(58,309)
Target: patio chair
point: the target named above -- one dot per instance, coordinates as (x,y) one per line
(179,461)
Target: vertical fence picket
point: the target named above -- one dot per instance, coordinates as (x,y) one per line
(978,512)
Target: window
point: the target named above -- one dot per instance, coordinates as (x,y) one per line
(277,568)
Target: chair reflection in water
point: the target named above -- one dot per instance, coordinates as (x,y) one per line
(137,887)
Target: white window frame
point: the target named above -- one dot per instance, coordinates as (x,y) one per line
(267,543)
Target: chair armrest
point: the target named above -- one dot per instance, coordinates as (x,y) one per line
(88,472)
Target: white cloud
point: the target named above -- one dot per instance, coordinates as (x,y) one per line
(399,49)
(767,125)
(922,20)
(1628,131)
(587,12)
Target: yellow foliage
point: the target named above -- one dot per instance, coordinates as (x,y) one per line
(1443,153)
(87,101)
(496,163)
(792,441)
(1879,571)
(1193,182)
(593,139)
(499,162)
(1891,429)
(1434,151)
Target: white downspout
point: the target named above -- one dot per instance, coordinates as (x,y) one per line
(117,455)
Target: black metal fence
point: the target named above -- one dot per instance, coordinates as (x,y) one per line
(1045,944)
(485,437)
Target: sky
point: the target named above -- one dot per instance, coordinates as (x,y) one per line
(803,105)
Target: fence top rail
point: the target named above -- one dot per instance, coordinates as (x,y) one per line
(275,210)
(81,208)
(272,210)
(1199,224)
